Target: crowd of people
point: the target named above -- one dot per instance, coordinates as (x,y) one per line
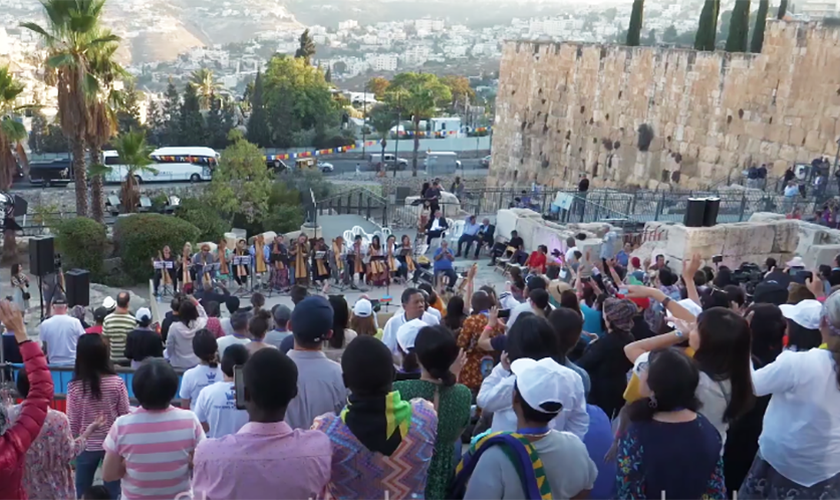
(620,379)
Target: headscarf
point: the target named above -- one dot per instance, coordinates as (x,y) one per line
(620,312)
(378,423)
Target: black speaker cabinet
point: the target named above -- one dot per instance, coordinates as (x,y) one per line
(694,212)
(710,215)
(78,287)
(42,256)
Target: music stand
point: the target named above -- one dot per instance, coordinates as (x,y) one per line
(241,260)
(164,266)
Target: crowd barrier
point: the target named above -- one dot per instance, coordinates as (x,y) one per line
(62,375)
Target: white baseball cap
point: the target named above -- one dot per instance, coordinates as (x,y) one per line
(363,308)
(408,333)
(143,313)
(805,314)
(543,382)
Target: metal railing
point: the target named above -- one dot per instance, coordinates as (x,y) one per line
(358,201)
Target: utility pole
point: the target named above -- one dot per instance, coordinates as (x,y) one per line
(397,142)
(364,120)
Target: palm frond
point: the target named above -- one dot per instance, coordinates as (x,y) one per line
(98,169)
(12,129)
(60,60)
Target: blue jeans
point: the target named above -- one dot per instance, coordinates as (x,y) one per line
(86,464)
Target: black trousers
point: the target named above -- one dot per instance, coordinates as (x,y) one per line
(497,251)
(469,239)
(434,234)
(241,280)
(449,273)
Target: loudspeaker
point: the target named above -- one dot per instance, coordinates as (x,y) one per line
(710,214)
(694,212)
(77,282)
(42,256)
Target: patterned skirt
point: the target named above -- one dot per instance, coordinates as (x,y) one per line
(763,481)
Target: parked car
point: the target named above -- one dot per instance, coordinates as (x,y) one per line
(325,167)
(485,162)
(391,161)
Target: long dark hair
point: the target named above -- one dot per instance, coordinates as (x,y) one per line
(531,337)
(436,350)
(673,379)
(341,317)
(455,316)
(724,354)
(768,331)
(205,347)
(539,299)
(568,325)
(92,363)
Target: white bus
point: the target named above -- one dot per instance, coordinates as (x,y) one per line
(173,164)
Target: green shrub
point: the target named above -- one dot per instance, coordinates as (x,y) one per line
(201,214)
(81,243)
(140,237)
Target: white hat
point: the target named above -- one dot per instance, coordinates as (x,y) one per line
(363,308)
(408,333)
(143,313)
(109,303)
(805,314)
(692,307)
(641,363)
(544,381)
(795,262)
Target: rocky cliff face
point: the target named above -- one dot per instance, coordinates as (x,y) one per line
(646,116)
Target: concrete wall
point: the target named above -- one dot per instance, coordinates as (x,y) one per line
(568,108)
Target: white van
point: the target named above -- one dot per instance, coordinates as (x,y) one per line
(172,164)
(441,162)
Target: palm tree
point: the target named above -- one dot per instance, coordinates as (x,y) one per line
(135,154)
(71,35)
(12,135)
(205,86)
(419,95)
(104,102)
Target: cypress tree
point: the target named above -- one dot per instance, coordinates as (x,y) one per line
(171,115)
(760,23)
(782,10)
(258,131)
(739,28)
(707,30)
(634,31)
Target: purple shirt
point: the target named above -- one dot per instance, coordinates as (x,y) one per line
(263,461)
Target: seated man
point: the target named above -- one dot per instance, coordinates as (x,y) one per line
(471,230)
(520,256)
(436,227)
(499,249)
(443,263)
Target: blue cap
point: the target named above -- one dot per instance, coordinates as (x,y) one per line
(312,319)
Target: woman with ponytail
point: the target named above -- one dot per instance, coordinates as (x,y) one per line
(539,300)
(440,361)
(799,447)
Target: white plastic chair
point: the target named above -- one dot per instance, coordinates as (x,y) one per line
(357,230)
(386,231)
(456,230)
(348,236)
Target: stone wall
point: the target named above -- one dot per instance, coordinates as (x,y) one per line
(63,199)
(568,108)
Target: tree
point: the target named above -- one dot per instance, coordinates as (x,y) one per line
(707,30)
(192,123)
(782,9)
(241,184)
(12,135)
(419,95)
(739,27)
(340,67)
(171,116)
(459,87)
(154,124)
(378,86)
(650,40)
(38,132)
(205,86)
(306,50)
(328,76)
(670,34)
(218,124)
(134,153)
(634,31)
(103,106)
(760,24)
(72,33)
(128,116)
(297,99)
(258,131)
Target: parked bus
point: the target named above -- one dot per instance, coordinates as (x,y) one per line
(441,162)
(173,164)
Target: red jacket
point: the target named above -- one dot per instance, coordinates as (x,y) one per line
(16,440)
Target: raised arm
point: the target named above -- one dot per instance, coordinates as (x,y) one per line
(688,277)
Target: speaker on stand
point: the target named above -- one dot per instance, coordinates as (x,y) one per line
(78,287)
(42,262)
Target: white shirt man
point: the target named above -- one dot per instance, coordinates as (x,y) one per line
(216,403)
(60,334)
(413,308)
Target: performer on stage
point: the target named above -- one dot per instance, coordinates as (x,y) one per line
(405,255)
(300,252)
(320,261)
(355,266)
(168,275)
(186,262)
(377,273)
(338,254)
(259,255)
(391,256)
(200,262)
(279,259)
(223,258)
(240,272)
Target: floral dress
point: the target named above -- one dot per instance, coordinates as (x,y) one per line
(683,460)
(479,363)
(46,471)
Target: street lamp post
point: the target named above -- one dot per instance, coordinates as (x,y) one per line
(364,121)
(397,144)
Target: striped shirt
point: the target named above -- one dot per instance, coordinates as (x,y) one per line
(156,447)
(83,408)
(115,329)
